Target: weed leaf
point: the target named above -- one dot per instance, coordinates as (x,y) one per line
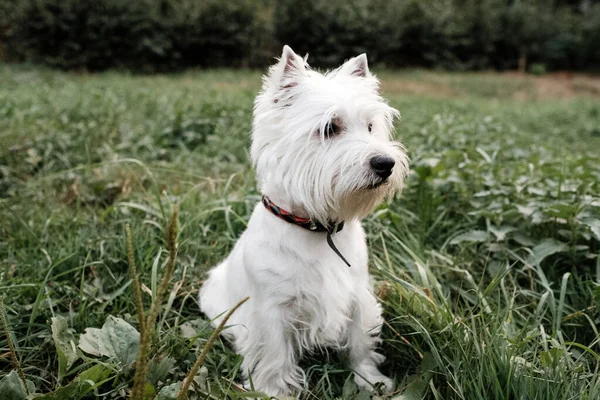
(117,340)
(546,248)
(417,387)
(159,368)
(349,389)
(501,232)
(64,341)
(12,387)
(471,236)
(551,357)
(80,386)
(169,392)
(364,394)
(594,225)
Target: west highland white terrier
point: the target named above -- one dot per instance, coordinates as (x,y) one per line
(324,156)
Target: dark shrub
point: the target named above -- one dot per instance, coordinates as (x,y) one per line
(331,31)
(166,35)
(141,35)
(589,51)
(7,17)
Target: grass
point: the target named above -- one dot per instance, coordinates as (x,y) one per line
(488,264)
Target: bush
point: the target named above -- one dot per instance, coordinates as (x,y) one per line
(6,19)
(165,35)
(222,33)
(449,34)
(142,35)
(452,34)
(330,31)
(73,34)
(590,33)
(537,69)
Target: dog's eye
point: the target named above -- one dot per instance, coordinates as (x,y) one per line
(370,127)
(332,129)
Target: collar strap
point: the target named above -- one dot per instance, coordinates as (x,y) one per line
(307,224)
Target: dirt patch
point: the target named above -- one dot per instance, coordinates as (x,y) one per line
(243,84)
(554,86)
(508,85)
(418,88)
(566,85)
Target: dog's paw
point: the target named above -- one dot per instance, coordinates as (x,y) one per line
(371,378)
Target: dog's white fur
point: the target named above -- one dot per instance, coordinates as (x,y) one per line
(302,295)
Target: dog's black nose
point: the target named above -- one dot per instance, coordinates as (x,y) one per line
(382,165)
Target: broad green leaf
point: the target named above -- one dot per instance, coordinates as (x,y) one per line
(501,232)
(426,168)
(471,236)
(546,248)
(201,378)
(169,392)
(417,387)
(12,387)
(349,388)
(551,357)
(594,225)
(537,191)
(149,391)
(191,329)
(64,341)
(565,211)
(84,383)
(187,330)
(526,211)
(158,369)
(523,239)
(117,340)
(510,332)
(364,394)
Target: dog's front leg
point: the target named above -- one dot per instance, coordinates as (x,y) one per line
(363,337)
(270,359)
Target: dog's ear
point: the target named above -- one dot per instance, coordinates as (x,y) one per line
(357,66)
(292,62)
(286,73)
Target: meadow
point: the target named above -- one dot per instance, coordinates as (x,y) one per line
(488,264)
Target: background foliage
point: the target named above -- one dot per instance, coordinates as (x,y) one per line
(143,35)
(165,35)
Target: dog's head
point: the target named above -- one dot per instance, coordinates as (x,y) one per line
(324,142)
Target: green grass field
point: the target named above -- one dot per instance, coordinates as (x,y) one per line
(487,265)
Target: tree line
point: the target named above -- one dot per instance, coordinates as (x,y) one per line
(169,35)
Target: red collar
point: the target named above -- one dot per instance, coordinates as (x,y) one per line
(307,224)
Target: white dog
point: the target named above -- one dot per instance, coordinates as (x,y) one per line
(321,144)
